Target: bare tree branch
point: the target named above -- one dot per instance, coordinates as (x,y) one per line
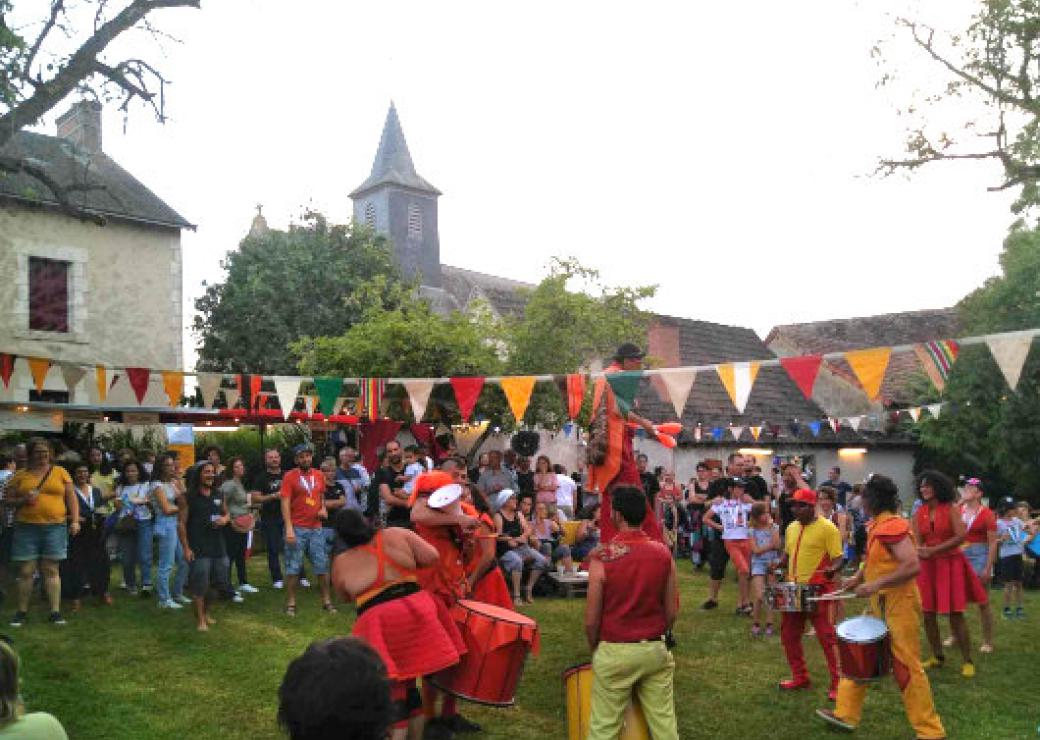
(57,7)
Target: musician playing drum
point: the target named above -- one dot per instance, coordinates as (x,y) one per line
(814,554)
(888,579)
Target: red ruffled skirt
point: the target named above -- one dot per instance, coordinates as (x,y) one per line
(948,584)
(415,636)
(492,589)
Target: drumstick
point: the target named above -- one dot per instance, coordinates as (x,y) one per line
(831,597)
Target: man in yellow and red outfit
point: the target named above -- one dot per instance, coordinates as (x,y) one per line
(888,578)
(813,555)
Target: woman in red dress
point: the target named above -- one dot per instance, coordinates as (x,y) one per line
(409,628)
(946,579)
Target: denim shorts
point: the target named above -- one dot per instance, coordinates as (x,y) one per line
(313,543)
(206,572)
(39,541)
(977,554)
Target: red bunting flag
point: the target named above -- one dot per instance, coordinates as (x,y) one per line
(467,391)
(6,368)
(803,371)
(575,394)
(138,377)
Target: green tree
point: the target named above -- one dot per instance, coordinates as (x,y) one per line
(990,430)
(315,279)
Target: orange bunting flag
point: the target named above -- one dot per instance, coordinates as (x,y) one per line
(101,378)
(39,367)
(739,379)
(518,391)
(173,384)
(756,432)
(575,394)
(869,366)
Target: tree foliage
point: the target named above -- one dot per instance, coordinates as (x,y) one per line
(315,279)
(46,58)
(988,429)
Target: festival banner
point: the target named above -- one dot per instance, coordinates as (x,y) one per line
(39,367)
(310,402)
(72,375)
(328,391)
(937,359)
(756,432)
(518,391)
(232,396)
(138,377)
(814,427)
(869,366)
(803,371)
(854,422)
(834,424)
(467,391)
(738,379)
(286,387)
(371,397)
(418,396)
(173,385)
(678,383)
(915,413)
(101,382)
(625,385)
(1010,354)
(736,431)
(575,385)
(209,385)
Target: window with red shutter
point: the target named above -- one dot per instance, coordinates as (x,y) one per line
(48,295)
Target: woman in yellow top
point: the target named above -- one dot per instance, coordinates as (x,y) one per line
(45,504)
(888,578)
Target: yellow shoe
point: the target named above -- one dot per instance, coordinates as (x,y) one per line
(968,670)
(932,662)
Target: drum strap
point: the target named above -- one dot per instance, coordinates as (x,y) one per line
(394,591)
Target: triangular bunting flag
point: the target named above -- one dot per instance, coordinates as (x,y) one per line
(287,387)
(372,390)
(575,394)
(232,396)
(328,391)
(625,385)
(39,366)
(101,379)
(756,432)
(834,424)
(739,379)
(736,431)
(716,433)
(937,359)
(803,371)
(934,409)
(854,422)
(467,391)
(698,434)
(72,374)
(209,384)
(138,377)
(869,366)
(173,384)
(678,383)
(1010,354)
(915,413)
(814,427)
(310,403)
(518,391)
(6,368)
(418,396)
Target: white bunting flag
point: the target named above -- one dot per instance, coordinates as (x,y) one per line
(738,378)
(72,375)
(915,413)
(834,424)
(737,431)
(854,422)
(678,384)
(697,434)
(418,396)
(209,384)
(232,396)
(286,387)
(934,409)
(1010,352)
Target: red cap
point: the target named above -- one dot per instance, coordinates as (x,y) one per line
(805,496)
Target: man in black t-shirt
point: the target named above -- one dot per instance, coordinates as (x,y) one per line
(524,476)
(267,486)
(757,488)
(389,481)
(651,486)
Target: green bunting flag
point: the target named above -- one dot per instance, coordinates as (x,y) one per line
(328,391)
(625,384)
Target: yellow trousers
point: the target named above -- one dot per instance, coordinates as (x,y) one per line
(618,669)
(902,613)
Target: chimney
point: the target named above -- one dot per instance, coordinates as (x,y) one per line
(81,124)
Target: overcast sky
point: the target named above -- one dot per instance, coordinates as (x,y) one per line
(720,150)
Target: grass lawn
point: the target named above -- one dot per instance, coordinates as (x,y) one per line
(135,672)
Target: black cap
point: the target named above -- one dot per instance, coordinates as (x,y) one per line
(629,351)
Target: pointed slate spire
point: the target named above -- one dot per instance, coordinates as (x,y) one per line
(393,164)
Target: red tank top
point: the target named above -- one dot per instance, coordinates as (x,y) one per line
(637,571)
(380,583)
(933,525)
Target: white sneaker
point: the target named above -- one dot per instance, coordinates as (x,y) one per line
(169,604)
(237,599)
(182,599)
(304,583)
(248,589)
(278,585)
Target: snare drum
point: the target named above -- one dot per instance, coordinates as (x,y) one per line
(865,648)
(577,688)
(792,597)
(497,643)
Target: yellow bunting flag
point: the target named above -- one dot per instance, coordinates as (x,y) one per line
(518,391)
(173,384)
(739,379)
(756,432)
(869,366)
(101,380)
(39,368)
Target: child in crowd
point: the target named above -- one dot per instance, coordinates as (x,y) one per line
(1011,533)
(413,467)
(765,555)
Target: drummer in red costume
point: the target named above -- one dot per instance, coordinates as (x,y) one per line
(814,554)
(410,629)
(619,467)
(447,531)
(486,582)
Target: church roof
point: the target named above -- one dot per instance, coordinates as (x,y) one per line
(113,191)
(507,297)
(393,164)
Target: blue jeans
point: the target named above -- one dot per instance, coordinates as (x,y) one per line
(145,529)
(170,552)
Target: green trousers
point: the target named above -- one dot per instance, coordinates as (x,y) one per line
(620,669)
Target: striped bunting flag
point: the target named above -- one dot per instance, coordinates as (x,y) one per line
(372,390)
(938,357)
